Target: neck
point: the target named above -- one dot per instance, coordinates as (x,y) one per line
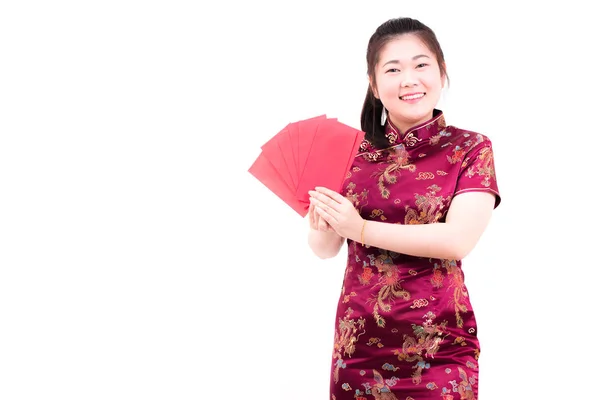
(405,125)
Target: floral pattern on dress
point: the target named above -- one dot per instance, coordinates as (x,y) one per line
(405,328)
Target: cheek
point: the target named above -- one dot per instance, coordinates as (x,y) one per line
(390,97)
(388,90)
(433,83)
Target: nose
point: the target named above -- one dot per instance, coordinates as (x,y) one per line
(408,80)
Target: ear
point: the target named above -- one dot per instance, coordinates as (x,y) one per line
(373,88)
(443,76)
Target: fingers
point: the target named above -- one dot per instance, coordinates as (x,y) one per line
(323,226)
(332,194)
(311,216)
(324,215)
(329,211)
(316,222)
(326,206)
(320,224)
(322,211)
(323,198)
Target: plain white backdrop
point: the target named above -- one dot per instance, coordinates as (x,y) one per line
(140,260)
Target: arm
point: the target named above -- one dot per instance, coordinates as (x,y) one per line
(467,218)
(325,244)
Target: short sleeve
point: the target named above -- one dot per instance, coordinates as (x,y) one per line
(478,172)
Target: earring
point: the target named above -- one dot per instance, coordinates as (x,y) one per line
(383,116)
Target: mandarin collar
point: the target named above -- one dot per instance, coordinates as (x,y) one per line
(418,133)
(413,138)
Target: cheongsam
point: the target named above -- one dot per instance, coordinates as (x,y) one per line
(405,328)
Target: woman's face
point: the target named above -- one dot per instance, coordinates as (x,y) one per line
(409,81)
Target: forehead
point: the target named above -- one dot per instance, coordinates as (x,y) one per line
(403,48)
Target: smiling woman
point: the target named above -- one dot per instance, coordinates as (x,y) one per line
(415,202)
(409,86)
(407,73)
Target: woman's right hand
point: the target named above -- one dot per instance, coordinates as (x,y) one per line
(322,238)
(316,222)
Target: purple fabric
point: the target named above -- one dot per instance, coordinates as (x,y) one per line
(405,328)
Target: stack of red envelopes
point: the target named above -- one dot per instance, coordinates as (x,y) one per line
(308,153)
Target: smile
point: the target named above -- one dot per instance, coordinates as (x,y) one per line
(413,96)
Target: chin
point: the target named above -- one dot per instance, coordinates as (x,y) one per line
(417,116)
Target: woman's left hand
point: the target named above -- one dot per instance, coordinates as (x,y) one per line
(338,212)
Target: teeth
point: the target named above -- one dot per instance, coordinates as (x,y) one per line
(412,97)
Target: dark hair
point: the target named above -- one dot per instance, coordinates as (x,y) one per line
(389,30)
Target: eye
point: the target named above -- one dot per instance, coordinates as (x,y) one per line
(393,70)
(422,65)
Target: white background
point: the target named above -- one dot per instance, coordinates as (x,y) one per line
(140,260)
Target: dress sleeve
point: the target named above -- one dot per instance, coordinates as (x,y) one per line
(477,172)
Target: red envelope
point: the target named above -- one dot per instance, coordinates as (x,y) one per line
(271,151)
(327,162)
(313,152)
(305,136)
(263,170)
(287,149)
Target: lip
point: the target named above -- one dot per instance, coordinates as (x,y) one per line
(413,100)
(410,94)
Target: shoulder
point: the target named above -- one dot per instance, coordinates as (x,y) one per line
(468,140)
(466,146)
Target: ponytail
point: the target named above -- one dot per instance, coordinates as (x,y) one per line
(370,121)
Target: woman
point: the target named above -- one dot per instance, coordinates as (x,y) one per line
(415,202)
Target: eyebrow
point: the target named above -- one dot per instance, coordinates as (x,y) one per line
(398,62)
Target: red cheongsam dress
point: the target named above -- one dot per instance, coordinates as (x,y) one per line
(405,328)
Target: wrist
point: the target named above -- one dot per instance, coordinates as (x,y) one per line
(361,235)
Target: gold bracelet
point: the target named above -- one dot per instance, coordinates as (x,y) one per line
(362,233)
